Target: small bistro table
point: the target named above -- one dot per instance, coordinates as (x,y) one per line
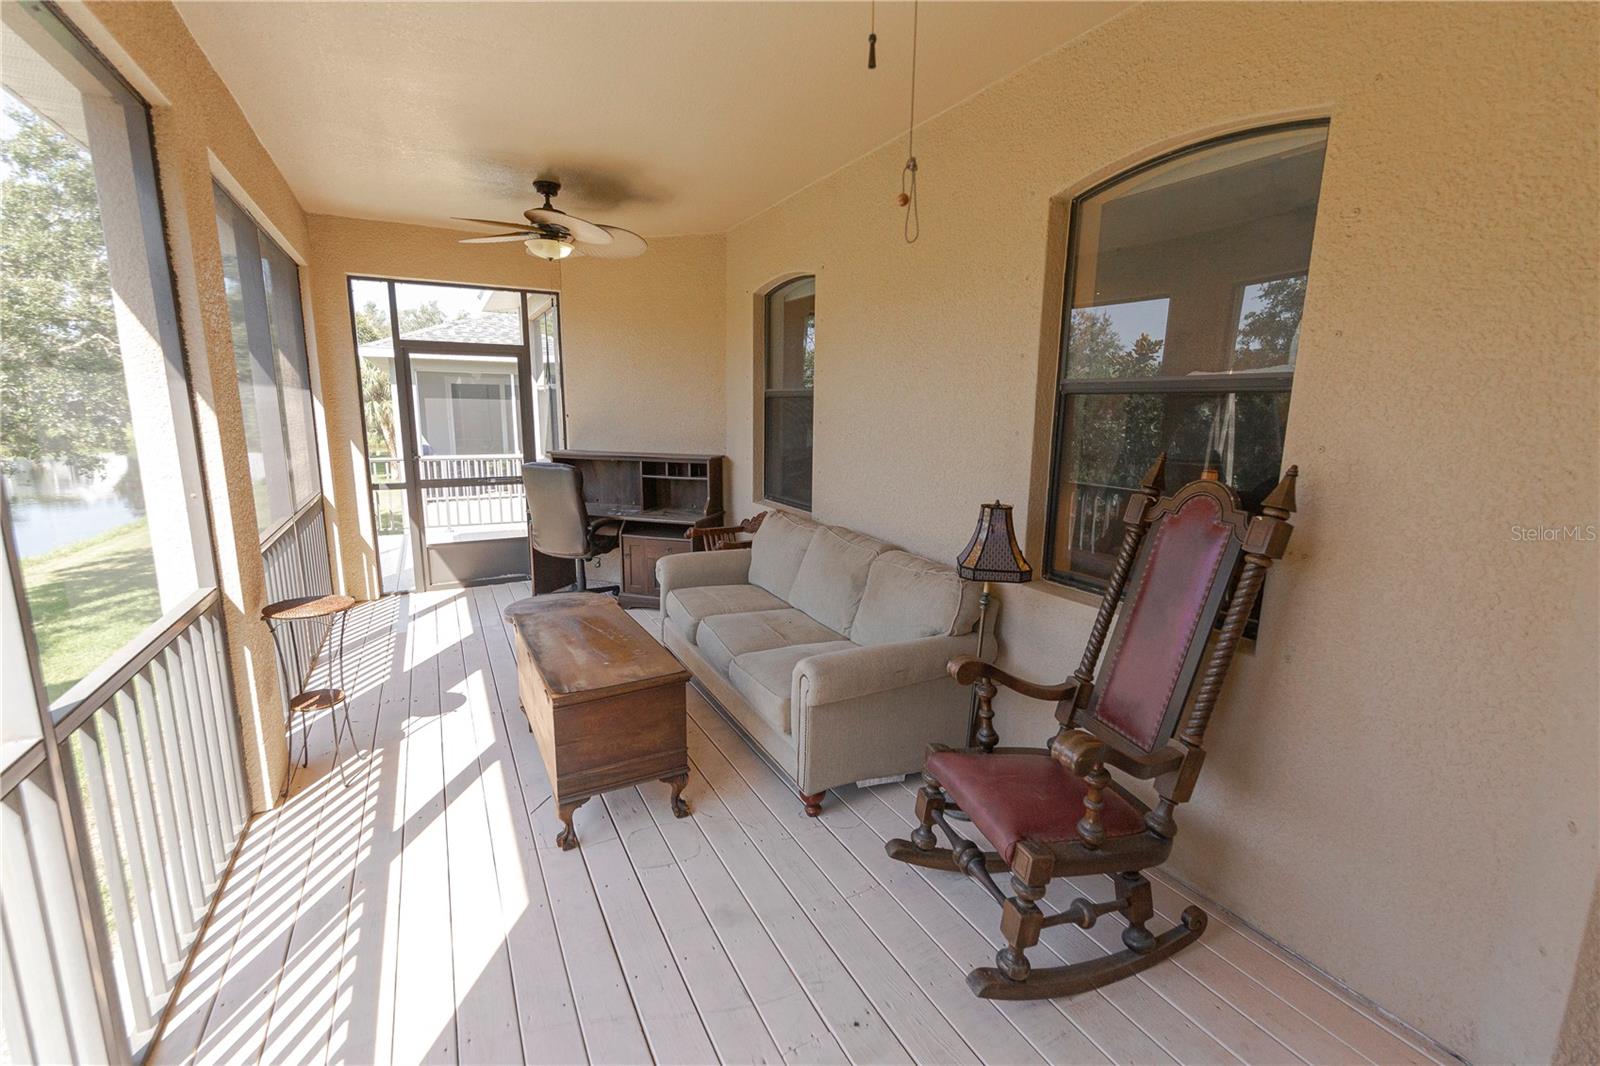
(335,610)
(603,698)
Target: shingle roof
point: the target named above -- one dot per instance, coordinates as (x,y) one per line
(480,327)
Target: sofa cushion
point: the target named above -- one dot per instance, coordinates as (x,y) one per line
(909,597)
(833,575)
(722,638)
(765,678)
(776,551)
(685,608)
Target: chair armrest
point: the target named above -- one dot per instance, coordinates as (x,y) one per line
(851,673)
(1084,755)
(693,569)
(1079,751)
(966,669)
(702,532)
(723,538)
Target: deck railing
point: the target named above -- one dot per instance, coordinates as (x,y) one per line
(295,556)
(474,506)
(1096,516)
(455,467)
(153,785)
(479,491)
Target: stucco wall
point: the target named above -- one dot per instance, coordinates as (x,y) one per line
(200,133)
(641,345)
(642,348)
(1404,773)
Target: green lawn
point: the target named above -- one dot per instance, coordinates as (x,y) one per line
(88,599)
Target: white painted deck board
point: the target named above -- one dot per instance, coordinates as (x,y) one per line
(422,913)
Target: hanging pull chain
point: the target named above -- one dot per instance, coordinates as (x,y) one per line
(908,175)
(872,39)
(908,200)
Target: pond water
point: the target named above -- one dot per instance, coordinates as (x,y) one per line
(42,524)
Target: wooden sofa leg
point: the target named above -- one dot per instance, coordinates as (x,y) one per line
(813,802)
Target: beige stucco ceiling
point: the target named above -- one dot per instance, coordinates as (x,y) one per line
(666,118)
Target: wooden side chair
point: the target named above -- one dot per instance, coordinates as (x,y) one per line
(716,538)
(1185,561)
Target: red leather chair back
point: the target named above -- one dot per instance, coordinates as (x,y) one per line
(1173,597)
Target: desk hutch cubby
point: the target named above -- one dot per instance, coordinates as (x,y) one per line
(657,497)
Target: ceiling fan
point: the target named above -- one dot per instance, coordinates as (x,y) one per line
(550,233)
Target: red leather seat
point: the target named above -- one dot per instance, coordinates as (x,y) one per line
(1015,795)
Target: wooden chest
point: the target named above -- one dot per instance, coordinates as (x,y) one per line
(604,700)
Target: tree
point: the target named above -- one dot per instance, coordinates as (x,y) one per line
(1111,433)
(415,318)
(61,379)
(377,401)
(1268,335)
(1096,350)
(372,323)
(377,390)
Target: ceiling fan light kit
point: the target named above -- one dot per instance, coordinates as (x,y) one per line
(552,234)
(547,248)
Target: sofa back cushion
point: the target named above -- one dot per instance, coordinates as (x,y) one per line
(833,575)
(776,551)
(908,597)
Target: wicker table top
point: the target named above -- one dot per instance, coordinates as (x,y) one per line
(302,607)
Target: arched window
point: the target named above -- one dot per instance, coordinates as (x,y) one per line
(789,375)
(1185,282)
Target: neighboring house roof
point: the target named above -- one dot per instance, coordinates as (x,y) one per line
(476,328)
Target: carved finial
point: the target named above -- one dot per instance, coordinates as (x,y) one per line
(1280,501)
(1155,479)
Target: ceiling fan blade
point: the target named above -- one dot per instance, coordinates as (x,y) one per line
(624,244)
(581,229)
(493,222)
(496,238)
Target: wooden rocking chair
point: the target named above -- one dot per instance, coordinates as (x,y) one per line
(1185,561)
(722,538)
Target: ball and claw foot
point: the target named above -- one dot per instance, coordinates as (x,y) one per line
(567,839)
(680,807)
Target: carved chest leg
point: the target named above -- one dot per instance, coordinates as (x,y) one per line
(568,837)
(680,808)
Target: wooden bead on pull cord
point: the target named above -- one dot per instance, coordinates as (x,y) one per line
(902,199)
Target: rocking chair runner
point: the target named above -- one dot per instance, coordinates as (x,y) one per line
(1185,561)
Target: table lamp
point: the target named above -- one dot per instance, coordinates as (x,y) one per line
(991,555)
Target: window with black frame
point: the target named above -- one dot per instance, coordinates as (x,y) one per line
(789,364)
(96,444)
(122,786)
(1186,280)
(269,344)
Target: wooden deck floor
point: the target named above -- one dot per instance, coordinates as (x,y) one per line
(417,910)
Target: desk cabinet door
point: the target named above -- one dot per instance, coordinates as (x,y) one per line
(639,557)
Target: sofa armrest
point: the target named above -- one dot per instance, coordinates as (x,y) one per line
(693,569)
(851,673)
(862,713)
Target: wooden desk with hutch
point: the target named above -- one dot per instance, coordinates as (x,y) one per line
(656,496)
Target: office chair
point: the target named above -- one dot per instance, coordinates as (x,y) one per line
(558,522)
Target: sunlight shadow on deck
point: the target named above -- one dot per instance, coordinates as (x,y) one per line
(416,908)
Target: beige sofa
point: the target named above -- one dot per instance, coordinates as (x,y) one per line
(826,647)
